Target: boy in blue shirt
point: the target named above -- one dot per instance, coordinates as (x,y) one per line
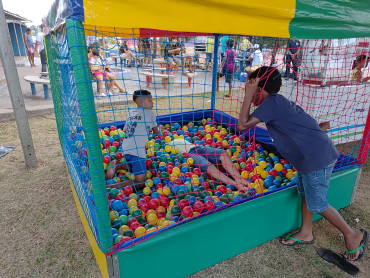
(140,122)
(302,141)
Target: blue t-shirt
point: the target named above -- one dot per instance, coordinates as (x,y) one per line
(223,43)
(296,135)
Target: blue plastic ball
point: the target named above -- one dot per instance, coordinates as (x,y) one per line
(294,180)
(272,188)
(288,166)
(208,198)
(267,183)
(123,211)
(111,181)
(218,204)
(260,149)
(162,168)
(175,189)
(231,186)
(117,205)
(184,169)
(175,218)
(155,195)
(276,183)
(176,125)
(114,231)
(192,200)
(218,193)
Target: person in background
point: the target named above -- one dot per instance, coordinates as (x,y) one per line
(291,57)
(227,67)
(30,45)
(172,49)
(245,45)
(224,39)
(359,63)
(209,51)
(40,49)
(146,48)
(256,59)
(126,53)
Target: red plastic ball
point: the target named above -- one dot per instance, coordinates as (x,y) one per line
(209,205)
(187,211)
(198,206)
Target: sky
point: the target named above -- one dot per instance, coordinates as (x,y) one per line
(33,10)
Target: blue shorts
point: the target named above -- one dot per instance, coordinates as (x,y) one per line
(204,156)
(229,75)
(137,164)
(314,187)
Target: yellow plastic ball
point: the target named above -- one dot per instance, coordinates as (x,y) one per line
(175,136)
(149,183)
(152,218)
(173,176)
(244,174)
(151,211)
(113,215)
(216,135)
(166,190)
(167,148)
(148,175)
(163,222)
(167,139)
(123,228)
(172,202)
(289,175)
(264,174)
(140,231)
(263,164)
(237,140)
(151,230)
(146,190)
(132,203)
(133,196)
(278,167)
(190,161)
(195,181)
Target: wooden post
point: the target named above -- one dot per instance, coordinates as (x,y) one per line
(15,92)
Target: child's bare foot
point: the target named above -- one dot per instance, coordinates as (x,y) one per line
(353,242)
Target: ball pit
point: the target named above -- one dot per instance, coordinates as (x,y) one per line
(175,189)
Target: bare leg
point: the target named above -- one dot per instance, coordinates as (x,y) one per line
(231,169)
(33,60)
(217,84)
(100,84)
(305,232)
(215,173)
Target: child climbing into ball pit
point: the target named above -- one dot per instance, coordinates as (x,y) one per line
(301,140)
(138,125)
(205,157)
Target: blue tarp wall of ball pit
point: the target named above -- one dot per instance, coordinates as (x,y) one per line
(261,135)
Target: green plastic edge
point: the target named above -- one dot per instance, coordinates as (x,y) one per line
(52,52)
(201,243)
(81,72)
(330,19)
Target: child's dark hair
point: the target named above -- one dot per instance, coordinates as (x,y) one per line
(358,60)
(140,93)
(270,79)
(229,43)
(95,52)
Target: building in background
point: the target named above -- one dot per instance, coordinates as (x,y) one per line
(17,27)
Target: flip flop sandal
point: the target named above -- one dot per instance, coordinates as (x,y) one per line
(339,260)
(296,241)
(362,247)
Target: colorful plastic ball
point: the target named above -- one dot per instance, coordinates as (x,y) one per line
(198,206)
(187,211)
(146,190)
(278,167)
(268,183)
(117,205)
(232,187)
(277,183)
(272,188)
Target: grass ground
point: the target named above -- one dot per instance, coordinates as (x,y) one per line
(42,236)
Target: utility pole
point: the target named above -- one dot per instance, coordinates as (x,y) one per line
(15,92)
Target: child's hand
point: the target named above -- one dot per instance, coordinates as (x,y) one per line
(162,128)
(325,126)
(251,86)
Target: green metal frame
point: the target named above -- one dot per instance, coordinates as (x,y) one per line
(81,72)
